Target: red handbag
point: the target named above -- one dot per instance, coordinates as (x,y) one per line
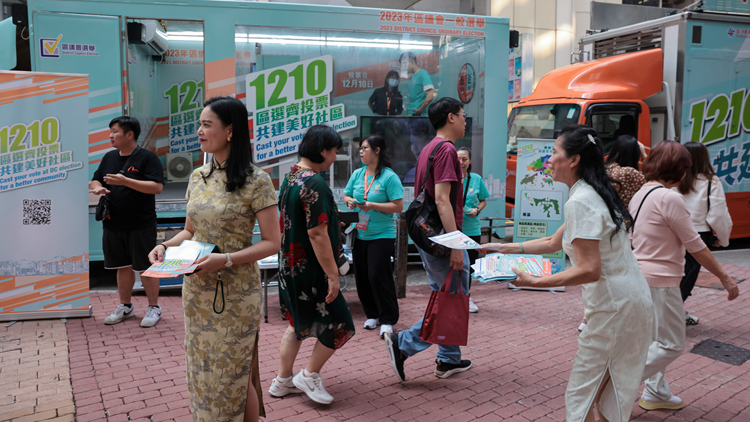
(446,320)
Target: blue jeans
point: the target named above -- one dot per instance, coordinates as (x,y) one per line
(437,270)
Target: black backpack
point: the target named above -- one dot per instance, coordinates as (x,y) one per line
(423,220)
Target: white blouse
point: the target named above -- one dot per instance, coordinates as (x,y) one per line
(718,217)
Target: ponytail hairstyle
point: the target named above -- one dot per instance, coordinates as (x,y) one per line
(231,111)
(577,140)
(378,142)
(701,165)
(468,151)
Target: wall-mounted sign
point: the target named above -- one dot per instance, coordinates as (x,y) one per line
(287,100)
(466,78)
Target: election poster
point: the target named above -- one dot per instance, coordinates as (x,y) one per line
(287,100)
(44,258)
(539,199)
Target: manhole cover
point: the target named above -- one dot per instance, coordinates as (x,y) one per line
(722,352)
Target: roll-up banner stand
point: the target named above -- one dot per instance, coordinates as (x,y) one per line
(44,261)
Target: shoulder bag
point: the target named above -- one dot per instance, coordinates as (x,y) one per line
(104,205)
(423,220)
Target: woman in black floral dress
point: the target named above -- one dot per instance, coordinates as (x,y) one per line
(308,274)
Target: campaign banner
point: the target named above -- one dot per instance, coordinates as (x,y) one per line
(287,100)
(185,107)
(44,271)
(539,199)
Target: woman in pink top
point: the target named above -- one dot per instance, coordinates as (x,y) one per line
(661,232)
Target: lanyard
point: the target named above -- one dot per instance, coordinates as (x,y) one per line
(367,188)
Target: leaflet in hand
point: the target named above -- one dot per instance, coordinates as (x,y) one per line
(500,267)
(179,260)
(456,240)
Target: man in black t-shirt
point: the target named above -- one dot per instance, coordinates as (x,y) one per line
(130,227)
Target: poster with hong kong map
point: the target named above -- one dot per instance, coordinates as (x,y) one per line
(539,199)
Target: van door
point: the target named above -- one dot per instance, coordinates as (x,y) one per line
(85,44)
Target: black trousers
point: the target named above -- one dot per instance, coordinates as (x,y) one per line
(473,255)
(692,269)
(374,273)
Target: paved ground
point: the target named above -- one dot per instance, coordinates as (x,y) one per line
(521,344)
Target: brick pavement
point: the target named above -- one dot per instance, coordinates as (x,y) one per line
(521,344)
(34,374)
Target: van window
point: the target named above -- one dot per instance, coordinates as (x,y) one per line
(539,122)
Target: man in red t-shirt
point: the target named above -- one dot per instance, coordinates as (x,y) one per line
(448,118)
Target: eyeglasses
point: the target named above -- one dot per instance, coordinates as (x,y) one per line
(460,114)
(361,149)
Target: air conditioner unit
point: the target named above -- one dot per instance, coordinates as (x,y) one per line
(179,166)
(148,32)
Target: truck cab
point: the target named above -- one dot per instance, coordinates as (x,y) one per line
(606,94)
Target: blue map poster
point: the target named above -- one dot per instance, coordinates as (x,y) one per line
(539,199)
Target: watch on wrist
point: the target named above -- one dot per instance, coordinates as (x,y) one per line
(479,210)
(229,261)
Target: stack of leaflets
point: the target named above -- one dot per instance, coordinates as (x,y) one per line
(499,267)
(180,260)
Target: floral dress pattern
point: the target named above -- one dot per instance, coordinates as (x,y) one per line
(306,202)
(221,349)
(630,181)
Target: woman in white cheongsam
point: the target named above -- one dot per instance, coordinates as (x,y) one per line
(612,349)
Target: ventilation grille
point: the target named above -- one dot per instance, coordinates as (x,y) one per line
(628,43)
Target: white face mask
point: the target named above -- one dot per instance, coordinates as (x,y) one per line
(393,82)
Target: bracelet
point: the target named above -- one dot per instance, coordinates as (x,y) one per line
(520,245)
(162,244)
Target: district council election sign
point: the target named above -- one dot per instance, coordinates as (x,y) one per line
(44,262)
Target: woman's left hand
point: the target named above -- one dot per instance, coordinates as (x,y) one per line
(524,279)
(472,212)
(367,206)
(210,263)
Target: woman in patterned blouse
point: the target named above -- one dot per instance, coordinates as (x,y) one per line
(622,167)
(308,273)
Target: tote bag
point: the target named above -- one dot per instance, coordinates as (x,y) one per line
(446,320)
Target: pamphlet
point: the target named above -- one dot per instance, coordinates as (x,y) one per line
(179,260)
(456,240)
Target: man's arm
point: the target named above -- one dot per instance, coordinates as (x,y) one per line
(431,94)
(96,188)
(143,186)
(448,217)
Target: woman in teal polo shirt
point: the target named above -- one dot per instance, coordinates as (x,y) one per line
(377,191)
(475,199)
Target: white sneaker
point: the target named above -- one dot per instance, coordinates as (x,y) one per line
(281,389)
(313,387)
(120,314)
(652,403)
(385,328)
(473,308)
(371,324)
(153,315)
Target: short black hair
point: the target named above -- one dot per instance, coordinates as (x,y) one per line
(128,124)
(317,139)
(409,56)
(625,152)
(440,109)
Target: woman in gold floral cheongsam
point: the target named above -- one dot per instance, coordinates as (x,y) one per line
(308,274)
(222,300)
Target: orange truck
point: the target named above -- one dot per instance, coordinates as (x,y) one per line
(684,77)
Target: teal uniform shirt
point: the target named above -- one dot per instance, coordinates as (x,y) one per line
(385,188)
(476,192)
(420,83)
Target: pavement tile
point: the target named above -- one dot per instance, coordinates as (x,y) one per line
(521,345)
